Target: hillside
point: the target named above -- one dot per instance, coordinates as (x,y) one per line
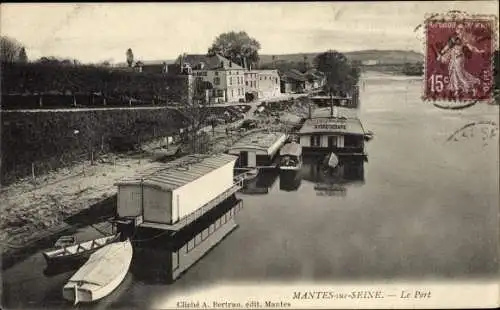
(384,57)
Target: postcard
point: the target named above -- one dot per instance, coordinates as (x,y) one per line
(250,155)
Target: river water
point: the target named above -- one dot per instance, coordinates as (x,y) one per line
(421,207)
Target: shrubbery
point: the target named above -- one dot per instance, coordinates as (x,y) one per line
(52,140)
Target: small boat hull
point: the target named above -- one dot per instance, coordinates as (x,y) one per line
(291,168)
(101,274)
(77,252)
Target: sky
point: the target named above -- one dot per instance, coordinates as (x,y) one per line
(161,31)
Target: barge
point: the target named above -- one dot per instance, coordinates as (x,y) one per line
(173,195)
(258,150)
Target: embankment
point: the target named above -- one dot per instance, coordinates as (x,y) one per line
(34,143)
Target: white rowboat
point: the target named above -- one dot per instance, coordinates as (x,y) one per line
(101,274)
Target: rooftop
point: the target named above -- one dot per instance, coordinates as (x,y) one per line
(294,75)
(177,173)
(210,62)
(341,112)
(259,140)
(294,149)
(333,125)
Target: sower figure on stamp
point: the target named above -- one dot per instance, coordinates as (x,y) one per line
(453,54)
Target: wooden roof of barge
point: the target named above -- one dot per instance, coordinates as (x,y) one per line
(326,125)
(179,172)
(258,140)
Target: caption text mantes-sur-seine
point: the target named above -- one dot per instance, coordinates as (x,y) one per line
(403,294)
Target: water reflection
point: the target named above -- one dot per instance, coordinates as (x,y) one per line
(261,184)
(162,256)
(333,181)
(290,180)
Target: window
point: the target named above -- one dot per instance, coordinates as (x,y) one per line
(232,92)
(217,80)
(216,73)
(190,245)
(220,93)
(260,78)
(315,140)
(175,260)
(231,81)
(332,141)
(246,83)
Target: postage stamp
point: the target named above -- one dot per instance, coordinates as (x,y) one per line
(459,51)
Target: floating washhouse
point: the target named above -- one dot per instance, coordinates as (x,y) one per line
(342,135)
(172,195)
(258,149)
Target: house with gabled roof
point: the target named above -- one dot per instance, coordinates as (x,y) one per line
(293,81)
(227,78)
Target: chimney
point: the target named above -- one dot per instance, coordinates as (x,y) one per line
(230,64)
(310,111)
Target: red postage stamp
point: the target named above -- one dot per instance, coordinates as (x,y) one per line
(459,54)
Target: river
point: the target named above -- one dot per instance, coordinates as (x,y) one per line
(421,207)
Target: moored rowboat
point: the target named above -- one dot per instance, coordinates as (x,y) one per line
(101,274)
(77,251)
(291,157)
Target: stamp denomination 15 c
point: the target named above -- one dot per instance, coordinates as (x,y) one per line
(459,57)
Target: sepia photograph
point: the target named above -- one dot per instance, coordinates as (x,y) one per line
(250,155)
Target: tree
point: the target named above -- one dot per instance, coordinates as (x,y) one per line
(238,47)
(341,75)
(130,57)
(22,55)
(196,110)
(9,49)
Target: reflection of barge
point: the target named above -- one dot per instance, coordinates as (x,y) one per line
(262,183)
(334,181)
(160,257)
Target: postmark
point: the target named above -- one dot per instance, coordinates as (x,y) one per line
(459,50)
(483,132)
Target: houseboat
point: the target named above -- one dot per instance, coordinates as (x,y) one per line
(172,195)
(258,150)
(291,157)
(163,258)
(333,134)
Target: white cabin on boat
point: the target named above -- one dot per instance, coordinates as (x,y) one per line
(340,135)
(257,149)
(172,195)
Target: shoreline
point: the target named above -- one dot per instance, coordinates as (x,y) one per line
(65,199)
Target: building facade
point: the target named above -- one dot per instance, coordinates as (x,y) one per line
(251,84)
(227,79)
(268,83)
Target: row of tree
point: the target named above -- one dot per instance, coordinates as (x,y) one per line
(12,50)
